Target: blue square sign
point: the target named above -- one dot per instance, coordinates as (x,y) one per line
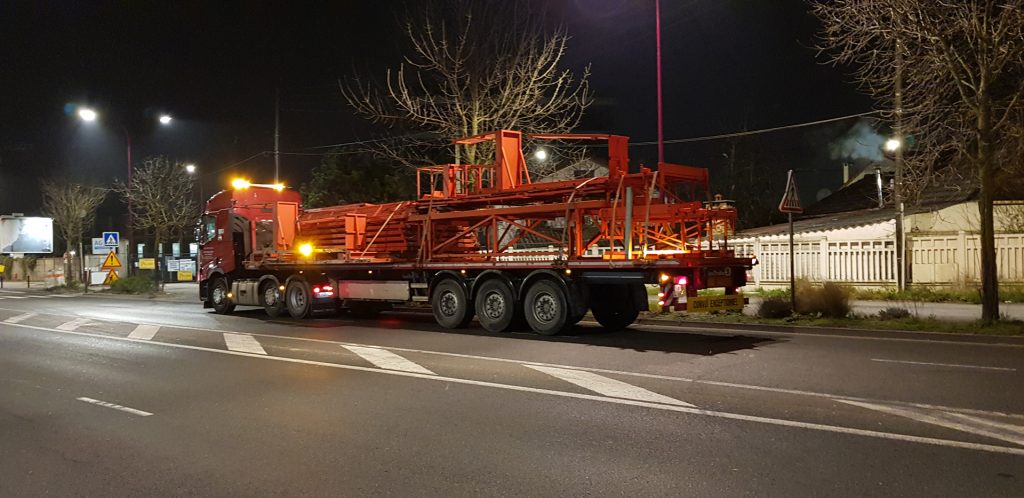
(111,239)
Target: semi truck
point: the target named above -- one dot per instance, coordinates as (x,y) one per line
(479,240)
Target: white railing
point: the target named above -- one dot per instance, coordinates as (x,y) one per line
(860,262)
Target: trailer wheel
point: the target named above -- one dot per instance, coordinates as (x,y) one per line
(496,306)
(613,308)
(451,305)
(219,297)
(273,301)
(299,298)
(546,307)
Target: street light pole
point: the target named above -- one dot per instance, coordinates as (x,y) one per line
(657,34)
(131,220)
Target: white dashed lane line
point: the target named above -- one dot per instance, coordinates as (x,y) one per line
(387,360)
(951,365)
(243,343)
(105,404)
(607,386)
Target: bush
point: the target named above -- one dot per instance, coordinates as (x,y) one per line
(830,300)
(893,313)
(774,307)
(136,284)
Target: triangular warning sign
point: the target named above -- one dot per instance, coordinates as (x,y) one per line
(111,277)
(111,262)
(791,199)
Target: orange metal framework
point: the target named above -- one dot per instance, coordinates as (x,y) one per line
(477,213)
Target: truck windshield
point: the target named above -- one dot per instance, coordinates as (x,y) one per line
(208,229)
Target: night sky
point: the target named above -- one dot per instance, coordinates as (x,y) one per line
(728,65)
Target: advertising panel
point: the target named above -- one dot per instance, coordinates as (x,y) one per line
(26,235)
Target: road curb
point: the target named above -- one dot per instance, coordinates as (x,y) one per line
(838,331)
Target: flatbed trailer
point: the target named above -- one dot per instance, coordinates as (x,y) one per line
(480,241)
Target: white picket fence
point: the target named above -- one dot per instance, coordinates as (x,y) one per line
(935,260)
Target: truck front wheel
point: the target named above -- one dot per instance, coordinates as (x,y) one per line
(451,305)
(298,298)
(219,297)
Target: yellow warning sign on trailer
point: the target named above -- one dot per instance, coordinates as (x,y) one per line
(707,304)
(111,277)
(111,262)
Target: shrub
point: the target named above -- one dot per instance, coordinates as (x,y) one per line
(830,300)
(774,307)
(136,284)
(893,313)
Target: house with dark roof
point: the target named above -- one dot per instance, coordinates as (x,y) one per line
(849,237)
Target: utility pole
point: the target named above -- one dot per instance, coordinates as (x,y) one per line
(901,275)
(277,135)
(657,34)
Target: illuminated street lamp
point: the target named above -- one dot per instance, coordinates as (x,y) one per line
(190,168)
(893,144)
(87,115)
(541,154)
(165,119)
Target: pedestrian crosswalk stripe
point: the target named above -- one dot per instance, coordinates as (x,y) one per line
(387,360)
(607,386)
(20,318)
(73,324)
(244,343)
(144,332)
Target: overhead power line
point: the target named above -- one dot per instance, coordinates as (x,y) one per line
(762,130)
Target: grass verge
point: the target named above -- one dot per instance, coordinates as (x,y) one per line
(914,324)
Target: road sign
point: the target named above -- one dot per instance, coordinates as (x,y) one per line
(3,268)
(111,277)
(184,276)
(147,264)
(791,199)
(111,239)
(111,262)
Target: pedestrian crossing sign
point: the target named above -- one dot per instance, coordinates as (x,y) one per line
(111,262)
(111,277)
(111,239)
(791,200)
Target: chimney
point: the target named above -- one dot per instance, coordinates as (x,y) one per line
(878,182)
(846,173)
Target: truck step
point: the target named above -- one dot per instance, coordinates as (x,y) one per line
(419,285)
(420,299)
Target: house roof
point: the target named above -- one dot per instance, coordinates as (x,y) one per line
(847,219)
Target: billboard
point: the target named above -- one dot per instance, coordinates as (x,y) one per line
(26,234)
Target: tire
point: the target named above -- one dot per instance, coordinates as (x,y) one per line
(546,307)
(496,306)
(613,308)
(273,301)
(450,304)
(222,304)
(298,298)
(366,310)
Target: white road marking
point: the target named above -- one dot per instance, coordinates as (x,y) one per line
(16,297)
(954,365)
(73,324)
(5,291)
(797,392)
(606,386)
(991,423)
(244,343)
(941,419)
(658,406)
(387,360)
(144,332)
(116,407)
(20,318)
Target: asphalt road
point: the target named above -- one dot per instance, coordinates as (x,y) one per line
(114,397)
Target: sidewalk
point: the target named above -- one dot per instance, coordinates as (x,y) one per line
(954,312)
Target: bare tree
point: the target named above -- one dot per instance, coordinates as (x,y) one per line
(73,209)
(472,69)
(161,198)
(951,75)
